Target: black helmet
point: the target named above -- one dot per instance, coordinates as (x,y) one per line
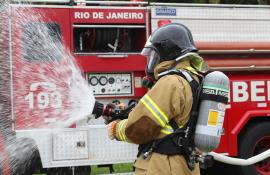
(168,42)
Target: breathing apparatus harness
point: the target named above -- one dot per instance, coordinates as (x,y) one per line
(181,141)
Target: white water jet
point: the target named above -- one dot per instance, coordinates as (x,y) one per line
(41,86)
(56,90)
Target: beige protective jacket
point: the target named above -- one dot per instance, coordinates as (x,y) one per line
(170,97)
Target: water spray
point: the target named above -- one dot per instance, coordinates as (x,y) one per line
(40,83)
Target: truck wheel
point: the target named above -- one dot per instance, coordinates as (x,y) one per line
(81,170)
(59,171)
(24,156)
(255,140)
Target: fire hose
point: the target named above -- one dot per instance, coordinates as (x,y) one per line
(238,161)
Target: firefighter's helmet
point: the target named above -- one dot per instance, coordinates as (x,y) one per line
(168,42)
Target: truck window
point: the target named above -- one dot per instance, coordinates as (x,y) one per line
(41,41)
(108,38)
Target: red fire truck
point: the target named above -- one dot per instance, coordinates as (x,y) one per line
(105,38)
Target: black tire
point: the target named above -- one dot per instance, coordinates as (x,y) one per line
(59,171)
(251,143)
(24,157)
(82,170)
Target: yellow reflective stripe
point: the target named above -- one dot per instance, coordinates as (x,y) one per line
(167,129)
(162,115)
(168,126)
(122,130)
(191,69)
(155,110)
(165,132)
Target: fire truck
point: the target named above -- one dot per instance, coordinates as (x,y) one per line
(105,38)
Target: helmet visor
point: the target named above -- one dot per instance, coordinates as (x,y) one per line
(153,58)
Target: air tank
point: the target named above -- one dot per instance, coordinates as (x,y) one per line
(213,101)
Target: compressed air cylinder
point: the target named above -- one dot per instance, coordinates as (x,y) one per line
(214,99)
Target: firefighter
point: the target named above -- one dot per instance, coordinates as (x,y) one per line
(168,50)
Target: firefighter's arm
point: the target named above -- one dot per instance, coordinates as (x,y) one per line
(153,113)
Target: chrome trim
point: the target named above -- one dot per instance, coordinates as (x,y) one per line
(111,56)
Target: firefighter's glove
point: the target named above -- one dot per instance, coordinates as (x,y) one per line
(111,130)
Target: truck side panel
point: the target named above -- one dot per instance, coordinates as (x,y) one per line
(27,56)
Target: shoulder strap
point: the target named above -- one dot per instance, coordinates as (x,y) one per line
(194,88)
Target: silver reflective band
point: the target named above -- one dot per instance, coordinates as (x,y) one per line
(155,110)
(167,129)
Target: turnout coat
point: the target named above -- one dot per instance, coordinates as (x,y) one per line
(170,98)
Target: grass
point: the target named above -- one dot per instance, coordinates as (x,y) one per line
(118,168)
